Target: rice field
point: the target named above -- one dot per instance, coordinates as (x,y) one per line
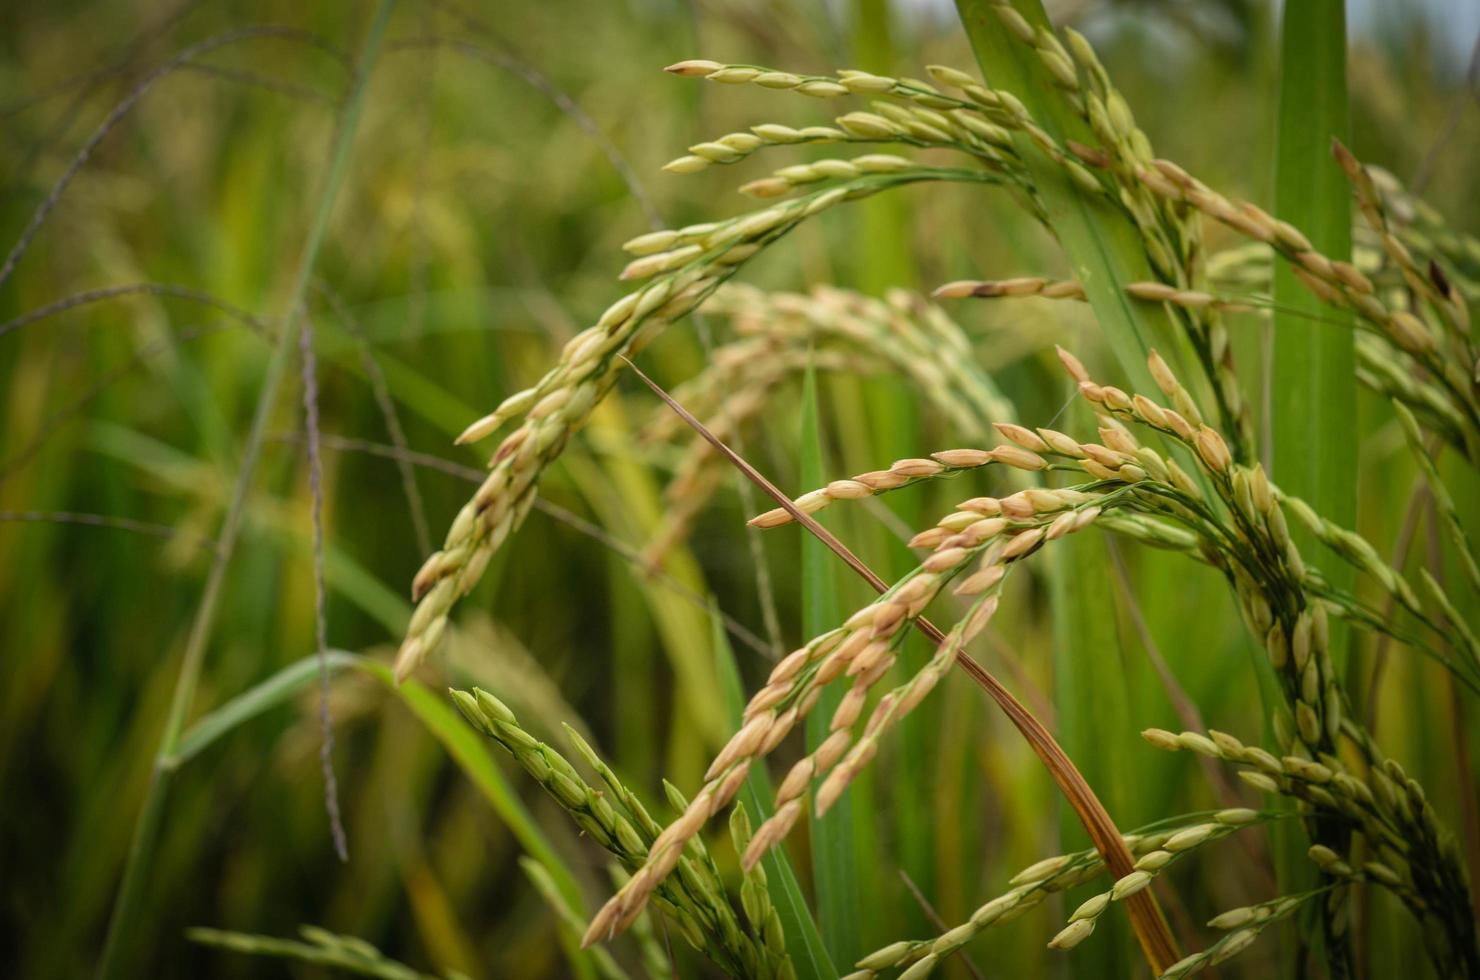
(785,490)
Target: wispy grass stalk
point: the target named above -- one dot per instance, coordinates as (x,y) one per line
(147,827)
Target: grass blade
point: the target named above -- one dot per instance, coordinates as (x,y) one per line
(886,424)
(262,697)
(1092,697)
(1313,398)
(441,721)
(835,843)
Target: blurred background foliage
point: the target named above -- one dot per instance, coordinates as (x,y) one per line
(478,229)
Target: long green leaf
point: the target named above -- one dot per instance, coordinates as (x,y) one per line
(803,939)
(440,720)
(834,836)
(262,697)
(1091,695)
(1314,396)
(470,752)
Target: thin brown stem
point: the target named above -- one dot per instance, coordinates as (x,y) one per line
(1147,920)
(320,590)
(105,521)
(935,919)
(388,414)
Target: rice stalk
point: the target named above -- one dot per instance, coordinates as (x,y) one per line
(753,736)
(1041,881)
(694,899)
(804,945)
(703,258)
(1072,154)
(1242,531)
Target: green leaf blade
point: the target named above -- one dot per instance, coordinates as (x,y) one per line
(1313,400)
(835,846)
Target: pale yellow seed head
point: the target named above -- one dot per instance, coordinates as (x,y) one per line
(694,68)
(959,289)
(929,538)
(822,89)
(1061,443)
(1015,22)
(986,506)
(1073,934)
(1041,870)
(1233,918)
(771,518)
(1022,543)
(916,467)
(1259,781)
(1024,437)
(950,76)
(1073,365)
(1185,840)
(1018,457)
(882,479)
(962,458)
(766,187)
(1154,291)
(1200,744)
(862,83)
(1129,885)
(1018,506)
(686,165)
(1091,908)
(656,241)
(1213,450)
(868,125)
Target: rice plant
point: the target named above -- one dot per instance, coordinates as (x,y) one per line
(1157,436)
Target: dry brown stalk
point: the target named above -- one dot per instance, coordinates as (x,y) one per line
(1150,926)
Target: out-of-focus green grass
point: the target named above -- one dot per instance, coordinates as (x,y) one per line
(478,229)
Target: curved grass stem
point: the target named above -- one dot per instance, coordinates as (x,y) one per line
(1150,925)
(121,923)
